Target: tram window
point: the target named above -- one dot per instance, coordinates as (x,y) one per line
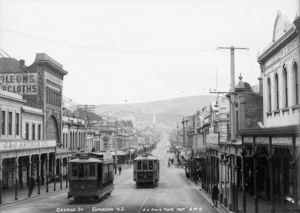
(150,165)
(92,171)
(139,165)
(99,172)
(145,165)
(82,170)
(74,170)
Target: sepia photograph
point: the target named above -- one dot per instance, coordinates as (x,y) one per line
(133,106)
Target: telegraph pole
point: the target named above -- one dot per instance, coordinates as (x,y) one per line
(87,108)
(233,205)
(232,91)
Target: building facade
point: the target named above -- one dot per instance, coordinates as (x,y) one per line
(274,147)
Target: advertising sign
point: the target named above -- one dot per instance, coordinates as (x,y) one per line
(23,84)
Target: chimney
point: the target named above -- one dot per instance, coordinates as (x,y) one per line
(22,62)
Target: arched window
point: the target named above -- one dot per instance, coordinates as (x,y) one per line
(276,92)
(52,130)
(269,95)
(285,81)
(296,83)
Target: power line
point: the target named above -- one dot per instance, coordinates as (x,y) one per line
(112,50)
(21,70)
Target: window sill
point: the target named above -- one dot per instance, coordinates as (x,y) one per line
(269,114)
(295,107)
(277,111)
(285,109)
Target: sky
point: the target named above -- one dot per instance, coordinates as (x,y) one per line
(134,51)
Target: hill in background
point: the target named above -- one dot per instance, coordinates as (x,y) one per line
(167,112)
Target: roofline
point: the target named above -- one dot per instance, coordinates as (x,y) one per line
(277,44)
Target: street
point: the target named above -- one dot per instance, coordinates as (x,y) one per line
(173,194)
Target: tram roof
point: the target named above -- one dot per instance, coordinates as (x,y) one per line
(146,157)
(88,160)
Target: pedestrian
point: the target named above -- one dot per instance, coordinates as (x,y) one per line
(215,193)
(187,175)
(120,170)
(32,184)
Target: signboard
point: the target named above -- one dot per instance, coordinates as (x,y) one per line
(212,139)
(16,145)
(282,141)
(23,84)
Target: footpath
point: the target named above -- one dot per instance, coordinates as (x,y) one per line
(263,206)
(8,195)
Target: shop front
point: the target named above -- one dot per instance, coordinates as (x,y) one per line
(24,164)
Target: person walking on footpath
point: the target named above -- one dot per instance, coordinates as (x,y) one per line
(120,170)
(215,193)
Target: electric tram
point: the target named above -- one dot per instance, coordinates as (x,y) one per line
(146,170)
(91,176)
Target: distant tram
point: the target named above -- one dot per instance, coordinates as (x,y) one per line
(91,176)
(146,170)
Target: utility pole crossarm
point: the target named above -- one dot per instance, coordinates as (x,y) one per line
(232,47)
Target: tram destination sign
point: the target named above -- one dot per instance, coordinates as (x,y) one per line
(17,145)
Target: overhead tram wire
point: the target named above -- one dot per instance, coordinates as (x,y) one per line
(111,50)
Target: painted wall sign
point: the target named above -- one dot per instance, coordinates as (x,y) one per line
(24,84)
(13,145)
(269,65)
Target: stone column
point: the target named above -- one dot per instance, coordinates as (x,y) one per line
(17,177)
